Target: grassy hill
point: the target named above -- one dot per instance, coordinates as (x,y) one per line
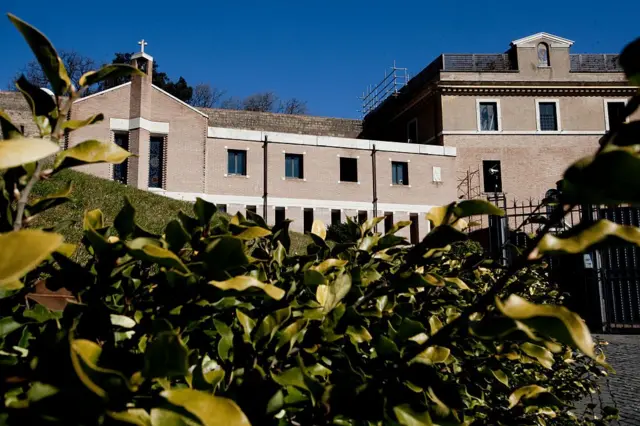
(89,192)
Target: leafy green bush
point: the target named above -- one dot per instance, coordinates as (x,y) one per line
(344,232)
(219,323)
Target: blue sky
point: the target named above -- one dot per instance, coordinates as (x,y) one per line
(325,52)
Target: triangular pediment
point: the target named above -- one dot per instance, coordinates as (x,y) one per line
(533,40)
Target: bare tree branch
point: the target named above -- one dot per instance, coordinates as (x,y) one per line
(205,96)
(263,102)
(231,103)
(293,106)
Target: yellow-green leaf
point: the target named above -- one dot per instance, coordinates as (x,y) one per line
(370,224)
(433,355)
(468,208)
(253,233)
(458,282)
(242,282)
(501,377)
(525,392)
(77,124)
(319,228)
(155,253)
(21,251)
(163,417)
(91,151)
(434,324)
(8,129)
(93,219)
(134,416)
(358,334)
(210,410)
(596,233)
(247,323)
(438,214)
(330,295)
(543,355)
(329,263)
(408,417)
(113,71)
(84,358)
(554,321)
(18,151)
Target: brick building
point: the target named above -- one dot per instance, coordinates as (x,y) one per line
(464,126)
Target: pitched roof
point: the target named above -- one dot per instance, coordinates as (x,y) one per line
(530,40)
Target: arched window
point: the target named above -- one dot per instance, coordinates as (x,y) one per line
(543,55)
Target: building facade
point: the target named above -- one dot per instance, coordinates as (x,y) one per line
(464,127)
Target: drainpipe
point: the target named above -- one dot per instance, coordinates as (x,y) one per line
(264,166)
(375,186)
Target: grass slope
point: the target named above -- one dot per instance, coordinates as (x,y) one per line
(153,211)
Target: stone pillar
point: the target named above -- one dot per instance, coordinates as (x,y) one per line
(140,107)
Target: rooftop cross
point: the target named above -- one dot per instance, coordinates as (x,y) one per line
(142,44)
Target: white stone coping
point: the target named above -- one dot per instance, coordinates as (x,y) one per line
(126,124)
(330,141)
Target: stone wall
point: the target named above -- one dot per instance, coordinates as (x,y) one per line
(287,123)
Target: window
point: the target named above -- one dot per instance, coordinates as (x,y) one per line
(414,229)
(348,169)
(222,208)
(399,173)
(280,215)
(293,166)
(252,209)
(308,220)
(492,176)
(120,170)
(488,116)
(412,131)
(22,129)
(156,162)
(543,55)
(335,217)
(615,113)
(237,162)
(388,221)
(547,116)
(362,216)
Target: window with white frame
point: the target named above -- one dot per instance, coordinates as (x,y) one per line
(399,173)
(614,112)
(488,115)
(293,164)
(548,115)
(237,162)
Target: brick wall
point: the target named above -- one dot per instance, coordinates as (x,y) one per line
(287,123)
(14,104)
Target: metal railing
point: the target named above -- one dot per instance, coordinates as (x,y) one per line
(478,63)
(595,63)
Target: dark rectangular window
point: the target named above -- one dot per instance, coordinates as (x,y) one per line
(492,174)
(388,221)
(252,209)
(237,162)
(615,113)
(412,131)
(362,216)
(120,170)
(399,173)
(22,129)
(293,166)
(348,169)
(488,116)
(415,231)
(308,220)
(280,215)
(336,217)
(548,116)
(156,162)
(222,208)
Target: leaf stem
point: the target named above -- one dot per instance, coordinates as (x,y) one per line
(24,196)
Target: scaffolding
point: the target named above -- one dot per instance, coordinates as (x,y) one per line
(390,85)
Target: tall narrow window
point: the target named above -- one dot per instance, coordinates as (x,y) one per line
(399,173)
(308,220)
(414,230)
(543,55)
(237,162)
(412,131)
(22,129)
(362,216)
(548,115)
(492,174)
(252,209)
(488,116)
(293,166)
(615,114)
(388,221)
(335,217)
(120,170)
(280,215)
(348,169)
(156,161)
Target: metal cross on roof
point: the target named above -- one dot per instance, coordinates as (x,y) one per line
(142,44)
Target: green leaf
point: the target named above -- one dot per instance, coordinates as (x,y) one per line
(542,354)
(358,334)
(501,377)
(124,221)
(166,356)
(40,314)
(327,264)
(525,392)
(468,208)
(45,203)
(369,224)
(328,296)
(18,151)
(89,152)
(42,104)
(78,124)
(630,62)
(386,348)
(210,410)
(408,417)
(291,334)
(9,130)
(122,321)
(162,417)
(247,324)
(140,249)
(7,325)
(242,282)
(204,211)
(111,71)
(93,219)
(226,339)
(46,55)
(433,355)
(223,254)
(101,381)
(133,416)
(319,228)
(596,233)
(398,226)
(22,251)
(554,321)
(438,214)
(175,235)
(279,253)
(253,233)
